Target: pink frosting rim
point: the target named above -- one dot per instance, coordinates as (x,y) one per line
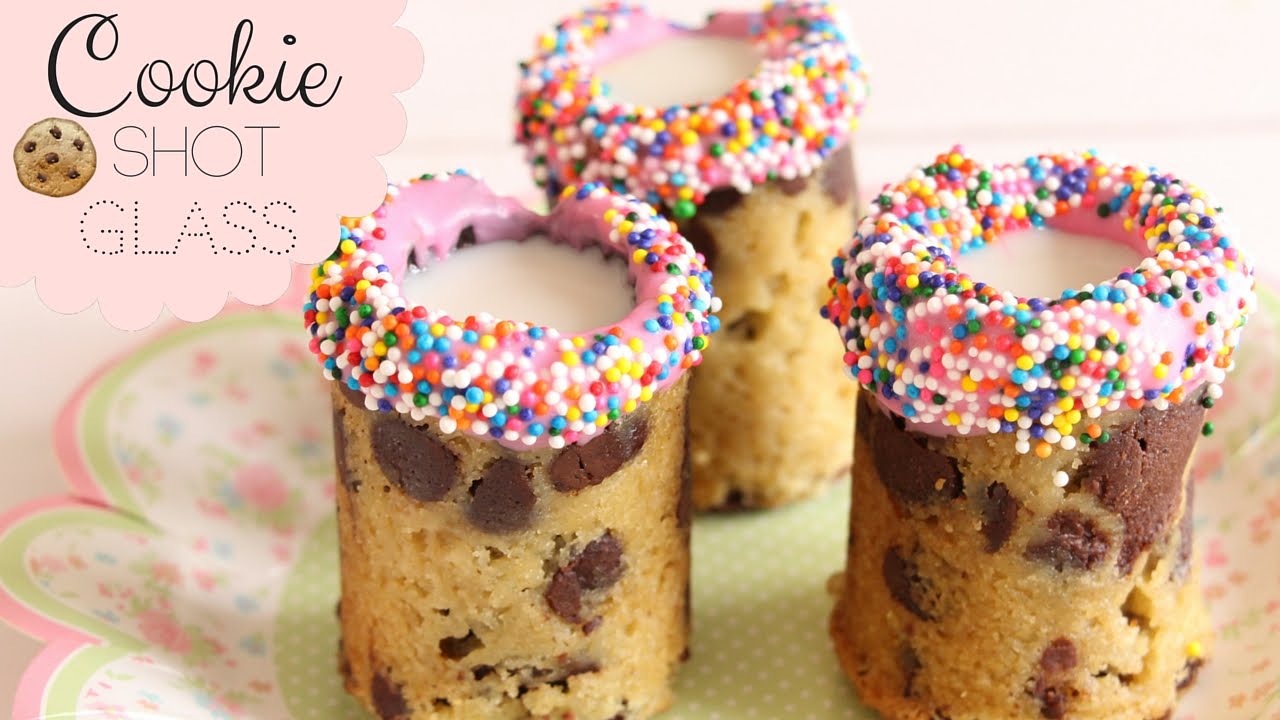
(801,105)
(953,355)
(521,384)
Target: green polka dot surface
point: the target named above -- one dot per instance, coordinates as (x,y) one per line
(306,638)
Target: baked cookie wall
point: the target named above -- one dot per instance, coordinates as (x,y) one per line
(479,582)
(771,407)
(976,589)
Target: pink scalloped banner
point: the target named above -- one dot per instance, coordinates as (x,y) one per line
(228,136)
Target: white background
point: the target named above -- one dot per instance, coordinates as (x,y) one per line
(1190,85)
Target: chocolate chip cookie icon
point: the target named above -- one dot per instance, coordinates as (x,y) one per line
(55,157)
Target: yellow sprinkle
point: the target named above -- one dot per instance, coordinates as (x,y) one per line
(1073,342)
(569,358)
(610,214)
(913,281)
(1010,414)
(1161,371)
(348,247)
(1025,362)
(488,342)
(953,418)
(967,384)
(1068,382)
(636,345)
(689,137)
(1195,649)
(613,375)
(574,413)
(579,342)
(380,349)
(362,285)
(646,393)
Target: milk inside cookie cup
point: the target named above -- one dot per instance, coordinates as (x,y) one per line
(688,67)
(1022,461)
(740,129)
(513,509)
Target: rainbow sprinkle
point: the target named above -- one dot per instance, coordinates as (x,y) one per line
(953,355)
(520,384)
(797,109)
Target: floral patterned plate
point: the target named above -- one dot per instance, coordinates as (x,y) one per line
(192,570)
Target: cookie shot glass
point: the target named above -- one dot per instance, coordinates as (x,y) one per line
(741,131)
(514,499)
(1021,527)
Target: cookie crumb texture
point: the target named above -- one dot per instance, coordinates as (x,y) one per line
(482,583)
(976,589)
(55,157)
(772,410)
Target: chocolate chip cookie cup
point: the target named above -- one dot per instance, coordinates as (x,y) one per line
(1021,526)
(741,131)
(514,501)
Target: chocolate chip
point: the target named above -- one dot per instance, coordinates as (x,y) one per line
(837,175)
(592,625)
(73,174)
(41,177)
(355,397)
(418,463)
(564,595)
(467,237)
(904,583)
(909,469)
(388,699)
(721,200)
(581,466)
(78,143)
(909,661)
(599,565)
(998,516)
(684,506)
(480,672)
(1187,676)
(1059,657)
(1074,541)
(794,186)
(502,499)
(340,452)
(1053,701)
(52,158)
(29,147)
(700,237)
(596,567)
(1139,473)
(456,648)
(1186,535)
(56,132)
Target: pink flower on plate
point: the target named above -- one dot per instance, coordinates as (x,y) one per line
(162,629)
(261,486)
